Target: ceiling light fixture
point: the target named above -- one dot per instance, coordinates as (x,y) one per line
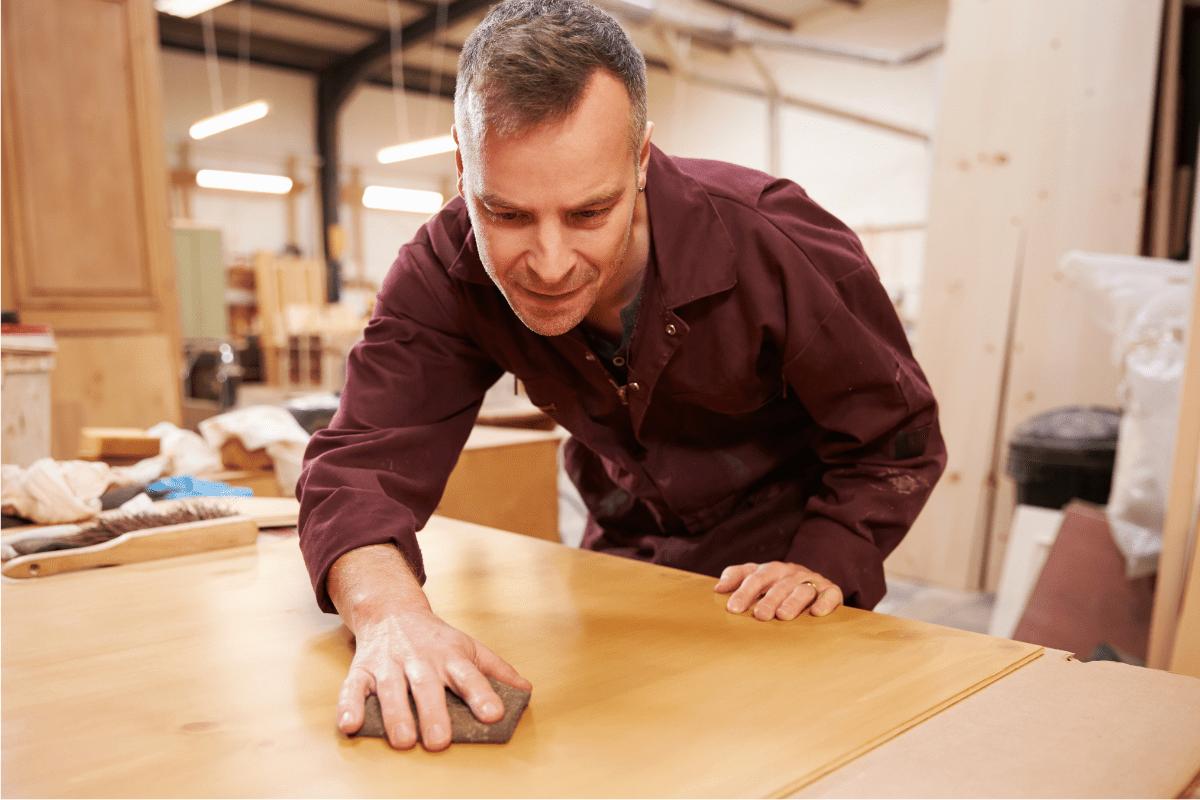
(243,181)
(186,8)
(387,198)
(425,147)
(229,119)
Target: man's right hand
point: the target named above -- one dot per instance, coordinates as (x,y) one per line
(401,645)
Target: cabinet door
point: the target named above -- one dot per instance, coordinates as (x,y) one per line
(87,247)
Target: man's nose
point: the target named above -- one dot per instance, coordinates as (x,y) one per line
(552,259)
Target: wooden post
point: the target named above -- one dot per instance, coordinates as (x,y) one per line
(1179,526)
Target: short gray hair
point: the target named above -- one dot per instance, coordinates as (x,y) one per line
(529,61)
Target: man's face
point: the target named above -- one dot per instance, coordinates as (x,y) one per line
(552,209)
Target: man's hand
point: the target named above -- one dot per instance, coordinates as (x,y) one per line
(782,590)
(401,645)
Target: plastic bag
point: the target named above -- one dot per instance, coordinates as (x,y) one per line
(1145,304)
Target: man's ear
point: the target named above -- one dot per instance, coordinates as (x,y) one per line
(644,154)
(458,159)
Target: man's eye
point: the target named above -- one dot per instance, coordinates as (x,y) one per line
(502,216)
(591,213)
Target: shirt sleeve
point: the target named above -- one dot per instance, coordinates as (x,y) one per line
(848,360)
(413,389)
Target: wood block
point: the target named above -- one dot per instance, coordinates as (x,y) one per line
(235,456)
(102,444)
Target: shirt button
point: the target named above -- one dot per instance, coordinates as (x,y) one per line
(590,357)
(670,329)
(620,362)
(633,387)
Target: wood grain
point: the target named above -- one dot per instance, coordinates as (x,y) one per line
(87,245)
(215,675)
(1042,147)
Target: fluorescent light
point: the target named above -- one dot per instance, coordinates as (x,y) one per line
(229,119)
(387,198)
(425,147)
(243,181)
(187,8)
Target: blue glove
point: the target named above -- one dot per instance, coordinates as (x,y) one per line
(182,486)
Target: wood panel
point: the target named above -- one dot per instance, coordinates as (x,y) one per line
(506,479)
(88,248)
(643,684)
(1041,148)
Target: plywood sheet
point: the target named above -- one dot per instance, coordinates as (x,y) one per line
(216,676)
(1042,147)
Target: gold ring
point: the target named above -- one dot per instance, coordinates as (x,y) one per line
(810,583)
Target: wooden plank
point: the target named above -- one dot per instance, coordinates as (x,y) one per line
(1055,728)
(1180,540)
(1185,653)
(1166,131)
(230,686)
(1041,148)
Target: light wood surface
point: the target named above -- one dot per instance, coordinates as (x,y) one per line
(1042,147)
(1180,535)
(1058,727)
(215,675)
(87,245)
(507,479)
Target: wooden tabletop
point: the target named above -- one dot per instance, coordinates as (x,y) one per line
(216,675)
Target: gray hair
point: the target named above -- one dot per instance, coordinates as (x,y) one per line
(529,61)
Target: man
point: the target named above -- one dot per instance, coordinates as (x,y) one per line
(740,393)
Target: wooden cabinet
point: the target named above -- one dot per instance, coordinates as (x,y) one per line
(86,236)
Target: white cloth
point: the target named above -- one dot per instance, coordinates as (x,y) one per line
(263,427)
(50,491)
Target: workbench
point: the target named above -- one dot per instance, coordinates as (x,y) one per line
(215,675)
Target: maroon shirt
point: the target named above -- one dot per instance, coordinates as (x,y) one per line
(773,409)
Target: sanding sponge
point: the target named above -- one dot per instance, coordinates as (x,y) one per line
(464,727)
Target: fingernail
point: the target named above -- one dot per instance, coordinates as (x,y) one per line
(437,733)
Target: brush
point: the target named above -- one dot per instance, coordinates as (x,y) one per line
(111,526)
(130,537)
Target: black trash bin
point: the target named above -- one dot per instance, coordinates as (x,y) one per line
(1064,454)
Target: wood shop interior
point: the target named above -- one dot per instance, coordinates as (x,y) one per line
(1021,174)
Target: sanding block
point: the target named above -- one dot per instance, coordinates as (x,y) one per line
(464,727)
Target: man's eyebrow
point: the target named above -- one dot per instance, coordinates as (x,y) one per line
(493,200)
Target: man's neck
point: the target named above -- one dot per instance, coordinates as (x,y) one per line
(605,316)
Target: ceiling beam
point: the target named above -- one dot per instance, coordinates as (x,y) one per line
(307,13)
(753,13)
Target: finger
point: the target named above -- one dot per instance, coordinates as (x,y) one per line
(351,696)
(751,589)
(468,682)
(781,592)
(797,601)
(397,714)
(732,577)
(493,665)
(827,601)
(429,694)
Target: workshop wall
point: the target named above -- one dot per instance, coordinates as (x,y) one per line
(874,179)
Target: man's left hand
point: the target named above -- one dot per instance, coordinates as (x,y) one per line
(782,590)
